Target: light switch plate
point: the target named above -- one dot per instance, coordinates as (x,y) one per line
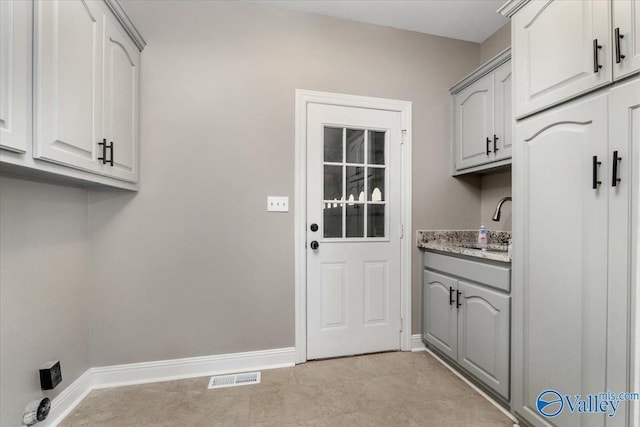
(277,204)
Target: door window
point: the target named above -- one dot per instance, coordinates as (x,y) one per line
(355,179)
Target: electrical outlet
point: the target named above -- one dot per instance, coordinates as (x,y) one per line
(277,204)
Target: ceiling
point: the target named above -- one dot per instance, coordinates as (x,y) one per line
(470,20)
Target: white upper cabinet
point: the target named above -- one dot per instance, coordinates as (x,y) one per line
(15,75)
(563,50)
(68,76)
(76,119)
(626,37)
(473,125)
(502,111)
(481,116)
(120,104)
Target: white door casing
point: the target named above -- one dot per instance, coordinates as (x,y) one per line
(370,312)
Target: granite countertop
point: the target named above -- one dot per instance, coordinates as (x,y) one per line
(459,242)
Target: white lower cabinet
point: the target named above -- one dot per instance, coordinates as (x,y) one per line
(573,253)
(468,322)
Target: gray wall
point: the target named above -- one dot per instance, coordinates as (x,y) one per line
(44,289)
(496,43)
(201,267)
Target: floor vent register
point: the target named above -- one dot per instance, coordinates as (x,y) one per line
(221,381)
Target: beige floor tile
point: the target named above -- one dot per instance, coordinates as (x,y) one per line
(375,417)
(299,403)
(389,389)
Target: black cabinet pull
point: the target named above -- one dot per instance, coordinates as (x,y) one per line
(596,164)
(488,142)
(616,37)
(111,150)
(615,180)
(596,64)
(495,145)
(458,304)
(103,144)
(450,295)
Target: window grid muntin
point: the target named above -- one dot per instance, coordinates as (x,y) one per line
(344,202)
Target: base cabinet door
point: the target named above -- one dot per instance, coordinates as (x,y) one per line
(483,335)
(68,76)
(556,59)
(626,38)
(440,315)
(560,286)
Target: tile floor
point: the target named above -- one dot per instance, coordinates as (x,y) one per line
(386,389)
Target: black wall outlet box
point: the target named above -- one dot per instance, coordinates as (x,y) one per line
(50,375)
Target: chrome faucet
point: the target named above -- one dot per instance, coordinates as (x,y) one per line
(496,214)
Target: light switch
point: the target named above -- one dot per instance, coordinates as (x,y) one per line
(277,204)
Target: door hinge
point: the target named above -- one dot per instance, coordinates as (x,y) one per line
(402,231)
(404,136)
(401,323)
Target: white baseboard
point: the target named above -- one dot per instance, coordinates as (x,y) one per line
(167,370)
(164,370)
(417,344)
(70,397)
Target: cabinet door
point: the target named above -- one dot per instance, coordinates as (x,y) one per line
(560,258)
(473,124)
(483,335)
(120,107)
(554,42)
(15,74)
(503,114)
(440,316)
(624,202)
(68,76)
(626,50)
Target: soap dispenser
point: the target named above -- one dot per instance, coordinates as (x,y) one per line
(482,235)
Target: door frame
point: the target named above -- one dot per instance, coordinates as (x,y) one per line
(303,99)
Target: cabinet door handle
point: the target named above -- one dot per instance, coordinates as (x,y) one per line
(596,165)
(450,295)
(495,145)
(488,142)
(111,150)
(615,180)
(616,37)
(458,304)
(596,64)
(103,144)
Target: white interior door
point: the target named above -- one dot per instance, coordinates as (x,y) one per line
(353,222)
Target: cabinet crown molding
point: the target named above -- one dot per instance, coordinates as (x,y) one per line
(511,7)
(485,69)
(118,11)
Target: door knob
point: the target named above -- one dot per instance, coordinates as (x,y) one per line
(314,227)
(314,245)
